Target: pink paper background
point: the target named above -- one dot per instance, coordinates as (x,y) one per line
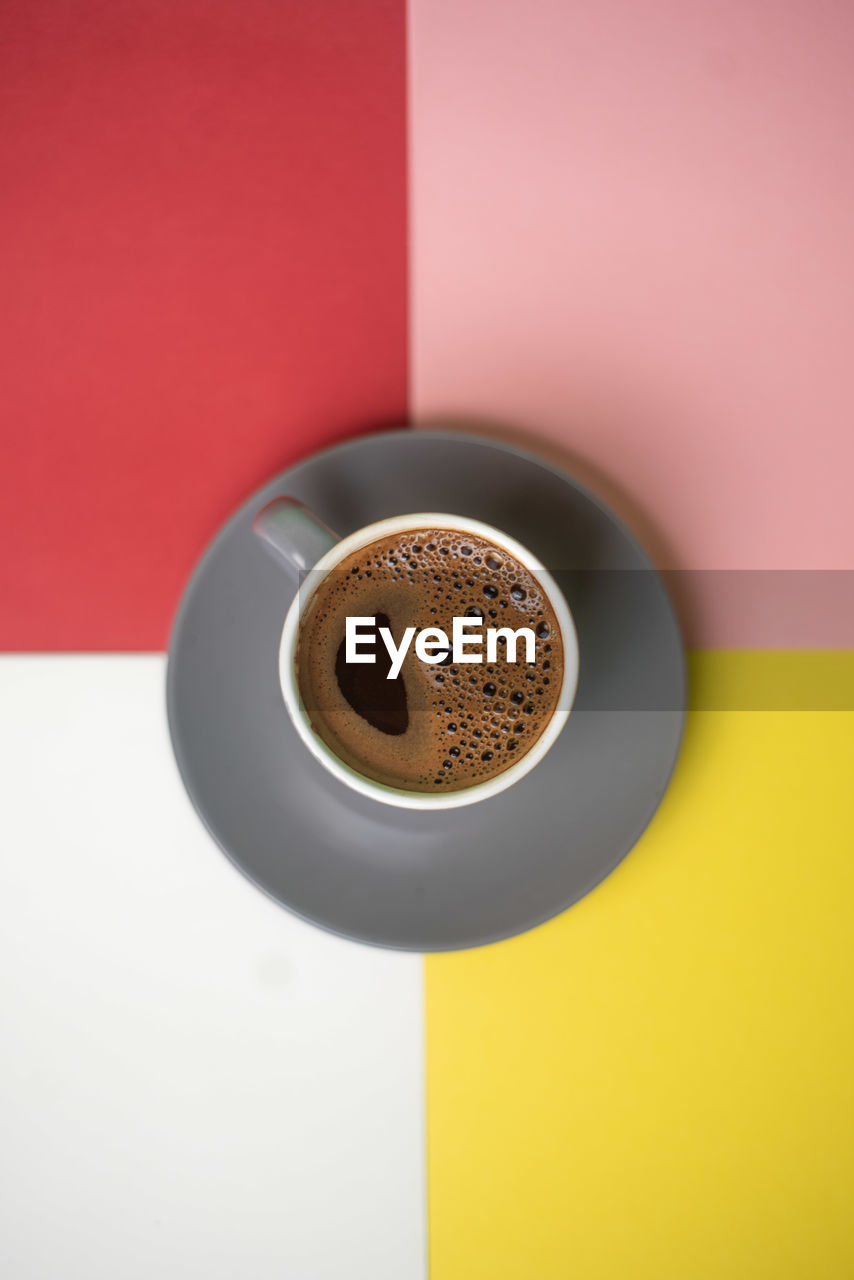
(632,235)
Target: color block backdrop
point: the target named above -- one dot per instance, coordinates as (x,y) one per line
(203,249)
(230,234)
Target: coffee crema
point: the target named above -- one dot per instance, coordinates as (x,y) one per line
(435,727)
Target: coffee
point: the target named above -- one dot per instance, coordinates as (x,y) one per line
(433,728)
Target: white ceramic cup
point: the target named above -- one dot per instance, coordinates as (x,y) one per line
(307,545)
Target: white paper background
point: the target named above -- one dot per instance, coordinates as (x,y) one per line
(192,1081)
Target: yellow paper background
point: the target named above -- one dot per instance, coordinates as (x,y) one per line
(659,1084)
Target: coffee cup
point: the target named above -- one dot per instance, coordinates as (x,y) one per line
(302,542)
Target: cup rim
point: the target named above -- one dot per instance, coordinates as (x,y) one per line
(399,796)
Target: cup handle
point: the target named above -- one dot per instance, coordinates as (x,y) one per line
(294,533)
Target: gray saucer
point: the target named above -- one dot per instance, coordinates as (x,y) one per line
(399,878)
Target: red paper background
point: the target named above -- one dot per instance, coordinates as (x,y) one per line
(203,256)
